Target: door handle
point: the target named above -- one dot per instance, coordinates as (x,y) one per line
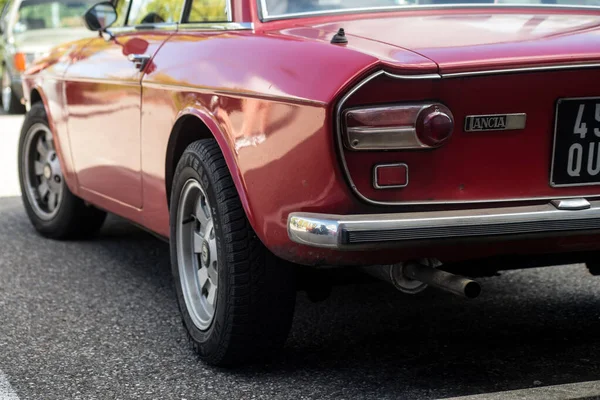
(139,60)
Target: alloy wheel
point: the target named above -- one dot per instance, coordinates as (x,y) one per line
(43,177)
(197,254)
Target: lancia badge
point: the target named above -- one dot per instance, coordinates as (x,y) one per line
(495,122)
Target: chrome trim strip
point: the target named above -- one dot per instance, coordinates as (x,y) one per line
(349,231)
(171,26)
(121,29)
(573,204)
(265,17)
(519,70)
(263,11)
(376,184)
(374,138)
(228,11)
(204,90)
(554,185)
(217,26)
(340,141)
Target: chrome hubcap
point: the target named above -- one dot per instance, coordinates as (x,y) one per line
(42,176)
(197,255)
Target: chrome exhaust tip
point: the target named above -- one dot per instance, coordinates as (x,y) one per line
(413,277)
(456,284)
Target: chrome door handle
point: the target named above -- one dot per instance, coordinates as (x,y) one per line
(139,60)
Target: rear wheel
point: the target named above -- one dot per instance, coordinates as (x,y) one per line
(10,103)
(54,211)
(236,300)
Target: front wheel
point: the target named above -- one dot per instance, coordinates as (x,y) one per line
(236,301)
(54,211)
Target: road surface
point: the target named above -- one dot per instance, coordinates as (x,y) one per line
(98,320)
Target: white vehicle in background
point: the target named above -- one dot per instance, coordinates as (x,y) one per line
(29,29)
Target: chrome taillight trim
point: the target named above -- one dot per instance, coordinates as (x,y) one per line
(385,138)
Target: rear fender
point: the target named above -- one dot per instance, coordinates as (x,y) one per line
(208,120)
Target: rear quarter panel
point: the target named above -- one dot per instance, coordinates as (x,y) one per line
(278,92)
(273,91)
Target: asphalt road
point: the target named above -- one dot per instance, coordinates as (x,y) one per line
(98,320)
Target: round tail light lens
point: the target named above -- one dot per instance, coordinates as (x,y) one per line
(434,125)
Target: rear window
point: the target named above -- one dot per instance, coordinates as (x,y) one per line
(275,9)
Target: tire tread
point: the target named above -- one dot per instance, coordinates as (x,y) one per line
(262,294)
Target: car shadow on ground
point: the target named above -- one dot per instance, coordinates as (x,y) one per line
(529,328)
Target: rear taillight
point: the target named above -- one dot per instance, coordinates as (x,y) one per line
(398,127)
(434,125)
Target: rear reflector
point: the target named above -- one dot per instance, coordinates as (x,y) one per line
(389,176)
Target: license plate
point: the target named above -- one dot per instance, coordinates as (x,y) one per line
(576,153)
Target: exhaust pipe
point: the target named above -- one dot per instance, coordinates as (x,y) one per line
(456,284)
(413,277)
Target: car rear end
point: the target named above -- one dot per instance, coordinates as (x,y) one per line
(501,144)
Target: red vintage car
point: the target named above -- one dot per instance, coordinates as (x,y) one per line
(421,140)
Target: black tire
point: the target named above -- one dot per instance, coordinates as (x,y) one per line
(74,219)
(257,294)
(14,105)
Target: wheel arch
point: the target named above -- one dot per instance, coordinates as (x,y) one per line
(37,95)
(194,124)
(34,95)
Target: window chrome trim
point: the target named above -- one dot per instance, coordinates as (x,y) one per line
(354,189)
(265,17)
(228,10)
(168,26)
(217,26)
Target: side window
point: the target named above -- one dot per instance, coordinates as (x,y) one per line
(154,11)
(122,7)
(208,11)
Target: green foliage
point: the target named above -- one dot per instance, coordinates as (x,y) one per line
(208,10)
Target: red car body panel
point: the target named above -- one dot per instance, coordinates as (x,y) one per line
(281,83)
(481,40)
(477,166)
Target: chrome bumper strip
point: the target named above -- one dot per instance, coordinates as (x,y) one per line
(347,231)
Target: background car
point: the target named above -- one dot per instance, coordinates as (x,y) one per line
(29,29)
